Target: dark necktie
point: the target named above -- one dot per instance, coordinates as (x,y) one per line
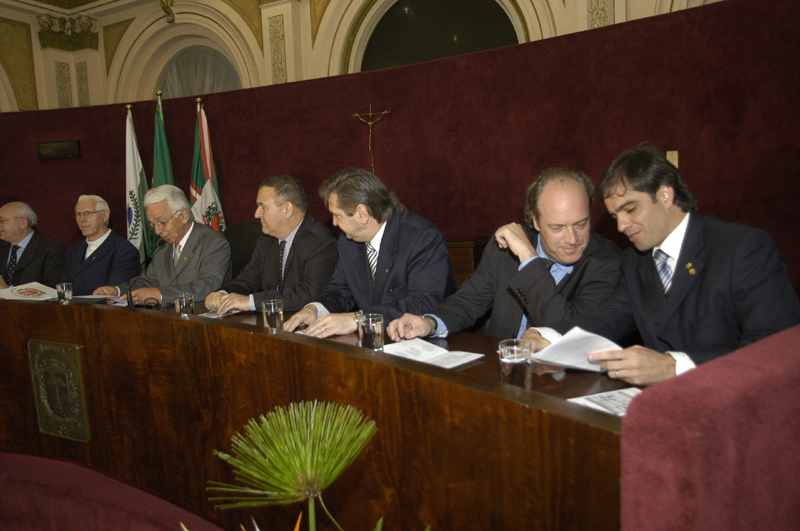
(281,247)
(12,263)
(664,271)
(372,258)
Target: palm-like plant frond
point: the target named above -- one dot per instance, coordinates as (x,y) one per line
(292,454)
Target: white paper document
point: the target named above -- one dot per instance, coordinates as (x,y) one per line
(32,291)
(211,314)
(573,350)
(420,350)
(614,402)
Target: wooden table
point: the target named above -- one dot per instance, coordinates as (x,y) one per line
(455,449)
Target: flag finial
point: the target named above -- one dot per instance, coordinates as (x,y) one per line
(128,106)
(158,93)
(198,100)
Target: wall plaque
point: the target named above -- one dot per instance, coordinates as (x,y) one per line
(58,389)
(65,149)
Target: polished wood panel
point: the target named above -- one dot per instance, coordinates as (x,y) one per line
(455,449)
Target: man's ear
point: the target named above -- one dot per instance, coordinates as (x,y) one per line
(362,213)
(665,195)
(288,209)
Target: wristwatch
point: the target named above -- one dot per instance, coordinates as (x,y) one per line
(435,323)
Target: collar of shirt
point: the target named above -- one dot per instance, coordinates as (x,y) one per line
(22,244)
(185,238)
(557,270)
(93,246)
(376,240)
(289,239)
(672,244)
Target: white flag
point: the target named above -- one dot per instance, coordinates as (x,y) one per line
(204,188)
(136,187)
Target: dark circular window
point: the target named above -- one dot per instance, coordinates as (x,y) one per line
(412,31)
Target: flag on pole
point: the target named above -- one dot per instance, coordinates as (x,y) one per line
(204,190)
(136,185)
(162,165)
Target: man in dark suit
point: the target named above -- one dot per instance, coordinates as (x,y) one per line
(196,259)
(293,260)
(529,276)
(694,287)
(102,257)
(26,255)
(391,261)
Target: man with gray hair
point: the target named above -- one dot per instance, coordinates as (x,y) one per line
(103,257)
(25,255)
(196,259)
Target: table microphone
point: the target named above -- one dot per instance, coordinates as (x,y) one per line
(138,272)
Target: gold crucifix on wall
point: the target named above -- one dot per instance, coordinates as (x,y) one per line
(370,120)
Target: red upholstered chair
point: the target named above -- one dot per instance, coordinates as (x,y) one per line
(38,494)
(719,447)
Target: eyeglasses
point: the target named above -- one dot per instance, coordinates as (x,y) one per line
(86,213)
(3,220)
(161,224)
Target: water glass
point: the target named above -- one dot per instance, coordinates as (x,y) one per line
(272,309)
(370,331)
(184,304)
(515,350)
(64,292)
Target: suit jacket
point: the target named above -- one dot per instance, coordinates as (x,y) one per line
(729,289)
(42,261)
(112,263)
(309,266)
(413,273)
(204,265)
(498,286)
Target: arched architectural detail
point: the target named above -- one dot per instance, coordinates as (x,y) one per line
(8,101)
(346,29)
(669,6)
(149,44)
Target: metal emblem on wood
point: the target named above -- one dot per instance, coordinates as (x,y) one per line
(58,389)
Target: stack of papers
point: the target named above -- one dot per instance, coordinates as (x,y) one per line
(33,291)
(573,349)
(420,350)
(614,402)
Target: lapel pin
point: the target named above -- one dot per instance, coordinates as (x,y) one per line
(688,265)
(692,271)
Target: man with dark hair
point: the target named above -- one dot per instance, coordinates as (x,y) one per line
(556,268)
(391,260)
(103,257)
(694,287)
(196,259)
(26,255)
(293,260)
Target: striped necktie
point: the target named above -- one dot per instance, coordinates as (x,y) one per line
(12,264)
(372,258)
(664,271)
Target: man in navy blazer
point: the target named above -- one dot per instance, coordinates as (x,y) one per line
(27,256)
(391,261)
(102,257)
(695,287)
(293,260)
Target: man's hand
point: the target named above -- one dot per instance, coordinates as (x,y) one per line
(306,316)
(332,324)
(3,284)
(213,300)
(409,326)
(636,365)
(513,238)
(143,295)
(536,339)
(233,301)
(105,290)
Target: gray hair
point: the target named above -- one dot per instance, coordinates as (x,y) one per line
(99,203)
(24,210)
(355,186)
(173,195)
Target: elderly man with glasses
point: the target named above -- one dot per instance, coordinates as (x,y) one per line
(26,255)
(103,257)
(191,258)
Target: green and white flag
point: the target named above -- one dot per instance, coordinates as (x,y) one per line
(136,187)
(162,165)
(204,190)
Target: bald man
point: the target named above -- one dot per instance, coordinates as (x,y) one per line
(26,255)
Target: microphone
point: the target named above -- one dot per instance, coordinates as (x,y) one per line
(139,271)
